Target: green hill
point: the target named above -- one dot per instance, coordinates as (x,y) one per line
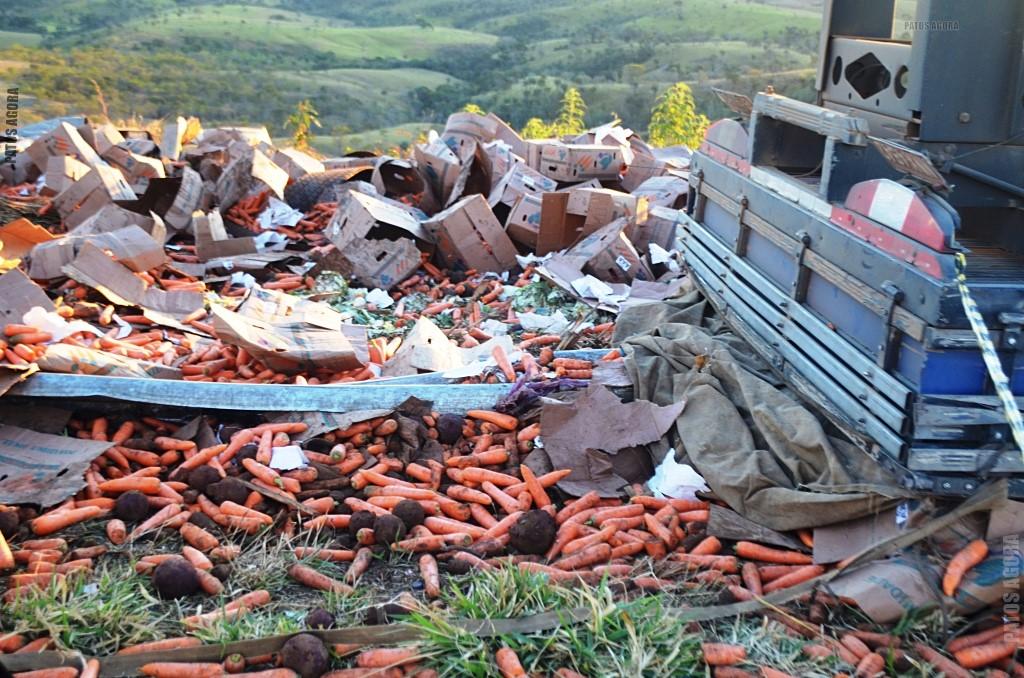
(379,65)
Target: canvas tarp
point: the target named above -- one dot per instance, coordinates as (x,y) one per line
(758,448)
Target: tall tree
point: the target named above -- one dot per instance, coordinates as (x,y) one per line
(675,120)
(570,116)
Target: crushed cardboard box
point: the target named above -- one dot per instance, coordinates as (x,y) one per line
(469,236)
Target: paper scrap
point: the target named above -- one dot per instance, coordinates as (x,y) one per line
(288,458)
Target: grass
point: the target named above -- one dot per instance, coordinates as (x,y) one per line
(274,26)
(623,638)
(95,614)
(382,139)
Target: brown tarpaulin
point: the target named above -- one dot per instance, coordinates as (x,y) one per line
(757,447)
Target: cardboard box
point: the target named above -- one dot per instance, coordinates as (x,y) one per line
(580,162)
(667,190)
(523,223)
(103,184)
(62,140)
(440,167)
(101,137)
(20,236)
(608,255)
(137,169)
(468,235)
(463,129)
(601,206)
(174,199)
(374,240)
(519,180)
(503,132)
(474,175)
(61,172)
(171,142)
(296,163)
(131,246)
(660,228)
(399,179)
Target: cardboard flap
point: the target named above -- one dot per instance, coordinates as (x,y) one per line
(62,140)
(19,295)
(170,143)
(272,176)
(213,241)
(39,468)
(61,172)
(441,167)
(290,348)
(296,163)
(117,283)
(20,236)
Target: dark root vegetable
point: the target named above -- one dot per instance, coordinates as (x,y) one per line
(229,489)
(247,452)
(9,522)
(409,512)
(319,619)
(131,507)
(202,477)
(202,520)
(221,572)
(388,529)
(306,655)
(449,428)
(533,533)
(359,521)
(175,578)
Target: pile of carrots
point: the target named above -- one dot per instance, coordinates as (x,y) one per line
(472,497)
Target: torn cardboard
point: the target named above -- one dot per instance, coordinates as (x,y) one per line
(427,349)
(113,217)
(101,137)
(665,191)
(296,163)
(213,241)
(291,347)
(440,166)
(587,435)
(469,236)
(137,169)
(523,223)
(44,469)
(117,283)
(69,359)
(19,295)
(131,246)
(462,130)
(102,185)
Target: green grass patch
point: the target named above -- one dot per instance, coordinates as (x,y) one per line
(274,26)
(624,637)
(8,38)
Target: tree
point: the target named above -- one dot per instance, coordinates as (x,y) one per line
(302,120)
(675,120)
(473,108)
(570,116)
(536,128)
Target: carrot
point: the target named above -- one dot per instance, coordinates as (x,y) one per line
(463,493)
(434,542)
(196,557)
(503,526)
(51,544)
(979,656)
(129,483)
(155,521)
(51,522)
(11,642)
(961,563)
(307,576)
(431,578)
(533,486)
(504,421)
(589,540)
(709,546)
(771,572)
(503,363)
(752,551)
(37,645)
(508,663)
(591,555)
(980,637)
(387,656)
(61,672)
(793,578)
(160,645)
(752,578)
(589,500)
(333,555)
(722,654)
(232,609)
(360,564)
(439,525)
(945,665)
(182,669)
(727,564)
(870,665)
(855,645)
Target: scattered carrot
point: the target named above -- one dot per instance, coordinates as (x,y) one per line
(961,563)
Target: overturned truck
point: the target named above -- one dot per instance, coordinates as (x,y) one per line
(845,239)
